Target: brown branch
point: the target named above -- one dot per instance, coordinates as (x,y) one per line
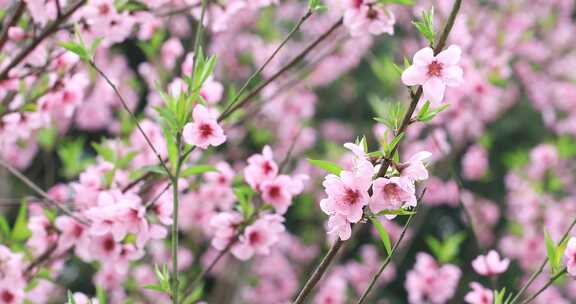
(50,29)
(415,98)
(132,115)
(11,22)
(45,197)
(287,67)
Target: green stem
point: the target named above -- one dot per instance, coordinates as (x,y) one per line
(175,239)
(550,282)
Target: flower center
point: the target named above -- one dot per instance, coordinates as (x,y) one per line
(7,296)
(255,237)
(109,244)
(274,191)
(103,9)
(356,3)
(435,68)
(267,168)
(351,196)
(206,130)
(372,14)
(391,191)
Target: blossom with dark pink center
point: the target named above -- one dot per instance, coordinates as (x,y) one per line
(479,294)
(204,130)
(434,72)
(260,167)
(490,264)
(392,193)
(570,256)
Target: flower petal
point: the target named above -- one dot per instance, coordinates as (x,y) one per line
(414,75)
(453,76)
(434,90)
(423,57)
(450,56)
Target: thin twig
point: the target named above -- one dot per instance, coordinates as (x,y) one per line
(125,106)
(550,282)
(11,22)
(287,67)
(321,269)
(254,93)
(270,58)
(540,269)
(50,29)
(45,197)
(388,259)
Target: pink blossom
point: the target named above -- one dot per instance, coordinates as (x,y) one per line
(260,167)
(259,237)
(434,73)
(490,264)
(204,131)
(368,17)
(475,163)
(224,226)
(279,191)
(415,169)
(348,193)
(392,194)
(431,283)
(570,256)
(479,294)
(340,226)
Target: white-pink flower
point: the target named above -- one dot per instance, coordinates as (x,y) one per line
(490,264)
(279,191)
(367,17)
(434,73)
(570,256)
(259,237)
(204,130)
(348,193)
(415,169)
(392,193)
(479,294)
(260,167)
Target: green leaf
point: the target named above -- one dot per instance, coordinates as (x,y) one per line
(244,196)
(403,2)
(426,26)
(383,234)
(158,169)
(194,170)
(430,114)
(4,228)
(101,295)
(105,152)
(75,48)
(396,212)
(550,249)
(448,249)
(554,253)
(70,298)
(195,295)
(47,138)
(316,5)
(326,165)
(20,231)
(155,288)
(395,141)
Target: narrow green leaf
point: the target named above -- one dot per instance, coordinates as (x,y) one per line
(326,165)
(383,234)
(20,231)
(195,170)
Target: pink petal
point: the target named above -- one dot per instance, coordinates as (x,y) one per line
(414,75)
(450,56)
(434,90)
(453,76)
(423,57)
